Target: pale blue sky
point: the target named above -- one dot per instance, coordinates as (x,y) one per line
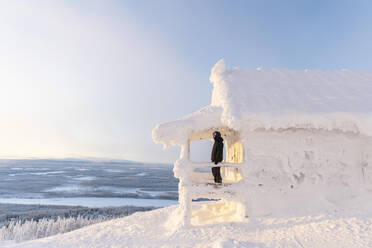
(92,78)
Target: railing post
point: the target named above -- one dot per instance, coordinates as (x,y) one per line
(188,149)
(185,150)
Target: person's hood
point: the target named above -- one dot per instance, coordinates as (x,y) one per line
(218,137)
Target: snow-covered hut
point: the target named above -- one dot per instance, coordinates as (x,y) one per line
(285,132)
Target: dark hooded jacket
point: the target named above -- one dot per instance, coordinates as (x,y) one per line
(217,151)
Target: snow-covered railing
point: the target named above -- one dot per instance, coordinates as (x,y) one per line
(197,165)
(201,172)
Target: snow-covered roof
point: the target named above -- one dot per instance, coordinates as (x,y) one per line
(244,93)
(280,99)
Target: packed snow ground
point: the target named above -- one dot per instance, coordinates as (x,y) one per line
(347,225)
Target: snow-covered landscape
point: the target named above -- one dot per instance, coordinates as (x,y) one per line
(345,227)
(45,197)
(173,123)
(288,180)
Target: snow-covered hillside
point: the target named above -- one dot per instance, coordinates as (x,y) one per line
(328,226)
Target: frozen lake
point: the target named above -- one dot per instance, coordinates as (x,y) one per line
(86,183)
(92,202)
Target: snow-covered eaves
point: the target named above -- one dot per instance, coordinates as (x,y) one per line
(179,131)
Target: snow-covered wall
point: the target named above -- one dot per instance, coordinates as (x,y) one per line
(326,158)
(293,166)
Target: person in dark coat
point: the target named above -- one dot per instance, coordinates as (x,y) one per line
(217,156)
